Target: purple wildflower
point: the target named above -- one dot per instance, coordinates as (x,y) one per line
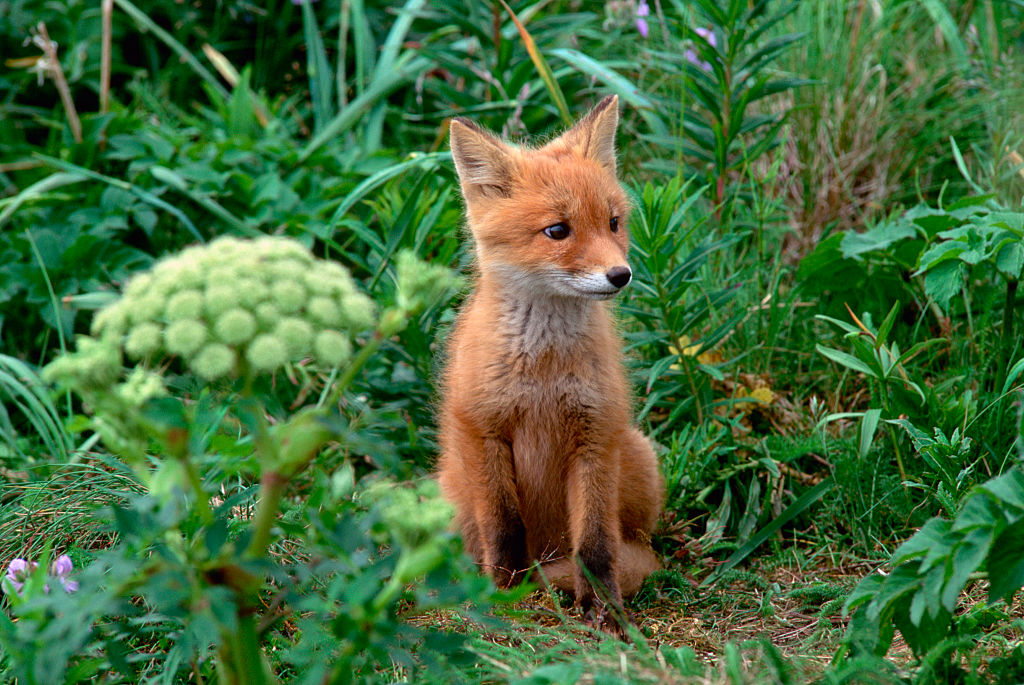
(17,571)
(62,568)
(642,12)
(691,54)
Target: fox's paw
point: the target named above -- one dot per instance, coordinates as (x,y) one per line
(609,619)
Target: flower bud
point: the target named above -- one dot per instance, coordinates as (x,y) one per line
(185,304)
(288,296)
(235,326)
(185,337)
(296,334)
(267,353)
(143,340)
(324,311)
(332,348)
(213,361)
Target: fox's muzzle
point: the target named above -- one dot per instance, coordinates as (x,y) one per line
(619,276)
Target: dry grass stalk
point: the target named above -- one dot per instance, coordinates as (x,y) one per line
(49,48)
(108,15)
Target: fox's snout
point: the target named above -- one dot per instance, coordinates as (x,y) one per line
(619,276)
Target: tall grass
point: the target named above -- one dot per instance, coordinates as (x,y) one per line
(892,82)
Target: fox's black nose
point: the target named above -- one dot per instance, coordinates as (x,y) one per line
(619,276)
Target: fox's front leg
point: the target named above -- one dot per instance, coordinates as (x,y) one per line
(502,534)
(596,535)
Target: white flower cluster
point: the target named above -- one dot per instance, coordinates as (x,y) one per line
(239,304)
(411,516)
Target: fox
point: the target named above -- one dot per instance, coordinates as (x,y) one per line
(539,453)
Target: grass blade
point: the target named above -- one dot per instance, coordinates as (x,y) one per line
(36,191)
(396,36)
(147,24)
(23,385)
(542,66)
(174,180)
(406,69)
(374,181)
(792,511)
(616,83)
(317,68)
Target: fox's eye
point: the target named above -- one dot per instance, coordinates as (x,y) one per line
(557,232)
(613,223)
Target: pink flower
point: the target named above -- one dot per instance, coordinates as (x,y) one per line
(19,570)
(691,54)
(62,568)
(642,12)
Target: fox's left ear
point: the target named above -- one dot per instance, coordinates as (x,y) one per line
(594,134)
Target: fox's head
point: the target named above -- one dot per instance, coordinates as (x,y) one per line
(551,218)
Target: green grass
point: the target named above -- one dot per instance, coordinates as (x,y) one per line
(765,200)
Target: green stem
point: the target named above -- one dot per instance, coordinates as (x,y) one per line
(884,388)
(271,492)
(248,655)
(1006,338)
(357,363)
(202,500)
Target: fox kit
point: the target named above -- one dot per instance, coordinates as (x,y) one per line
(539,454)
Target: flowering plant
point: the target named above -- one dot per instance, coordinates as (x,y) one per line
(230,315)
(20,570)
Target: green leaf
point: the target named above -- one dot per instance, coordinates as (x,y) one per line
(944,281)
(618,84)
(945,22)
(1008,489)
(1011,376)
(36,191)
(1010,259)
(318,70)
(542,67)
(847,360)
(878,238)
(962,166)
(886,326)
(407,67)
(933,534)
(147,24)
(792,511)
(868,425)
(1006,563)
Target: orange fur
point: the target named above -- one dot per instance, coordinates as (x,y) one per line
(539,454)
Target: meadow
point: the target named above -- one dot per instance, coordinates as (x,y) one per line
(232,247)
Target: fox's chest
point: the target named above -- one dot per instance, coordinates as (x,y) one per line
(544,327)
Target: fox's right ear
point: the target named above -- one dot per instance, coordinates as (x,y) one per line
(481,160)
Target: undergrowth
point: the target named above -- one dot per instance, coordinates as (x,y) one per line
(823,334)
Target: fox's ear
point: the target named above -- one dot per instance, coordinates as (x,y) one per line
(481,160)
(594,134)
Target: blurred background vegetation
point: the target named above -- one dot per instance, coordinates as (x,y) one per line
(824,329)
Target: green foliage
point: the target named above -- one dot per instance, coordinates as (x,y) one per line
(378,541)
(669,300)
(920,594)
(726,73)
(809,125)
(948,457)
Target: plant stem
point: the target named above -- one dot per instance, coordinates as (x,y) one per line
(884,391)
(357,363)
(248,655)
(271,492)
(1006,339)
(202,500)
